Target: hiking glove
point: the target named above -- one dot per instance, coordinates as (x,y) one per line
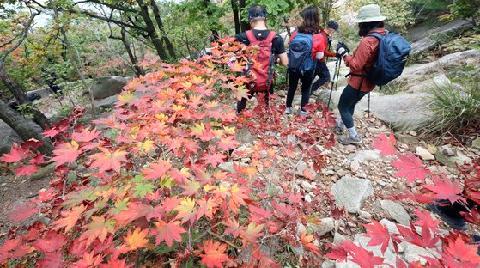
(342,49)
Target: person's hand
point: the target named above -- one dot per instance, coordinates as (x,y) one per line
(342,49)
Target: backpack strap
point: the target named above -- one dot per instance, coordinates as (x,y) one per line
(251,37)
(270,37)
(377,36)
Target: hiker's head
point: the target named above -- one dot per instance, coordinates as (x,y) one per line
(365,27)
(310,20)
(257,15)
(332,27)
(369,17)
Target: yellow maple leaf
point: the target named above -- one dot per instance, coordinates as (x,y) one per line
(229,130)
(136,239)
(134,131)
(187,85)
(146,146)
(126,97)
(161,117)
(196,79)
(198,129)
(178,108)
(185,208)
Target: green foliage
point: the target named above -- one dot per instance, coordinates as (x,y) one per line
(465,9)
(454,109)
(277,10)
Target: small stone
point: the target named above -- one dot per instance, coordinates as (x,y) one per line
(301,166)
(326,225)
(328,172)
(395,211)
(447,150)
(354,166)
(476,143)
(424,154)
(352,224)
(391,226)
(4,184)
(367,155)
(382,183)
(291,139)
(308,198)
(413,133)
(351,148)
(306,186)
(301,228)
(413,253)
(365,216)
(350,192)
(338,238)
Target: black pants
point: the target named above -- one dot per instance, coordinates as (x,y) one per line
(323,75)
(346,105)
(293,77)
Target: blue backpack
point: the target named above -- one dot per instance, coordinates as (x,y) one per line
(392,56)
(300,53)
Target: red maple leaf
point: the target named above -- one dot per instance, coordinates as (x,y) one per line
(107,160)
(26,170)
(70,218)
(214,254)
(460,254)
(213,159)
(338,253)
(386,145)
(13,249)
(51,133)
(378,235)
(66,153)
(444,188)
(410,167)
(168,232)
(157,170)
(135,210)
(425,220)
(85,135)
(16,154)
(52,242)
(23,211)
(426,239)
(363,257)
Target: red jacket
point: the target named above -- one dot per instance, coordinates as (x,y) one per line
(328,53)
(319,43)
(362,61)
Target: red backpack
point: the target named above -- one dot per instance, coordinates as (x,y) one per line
(262,67)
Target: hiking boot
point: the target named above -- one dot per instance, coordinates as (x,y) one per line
(303,113)
(347,139)
(288,110)
(339,130)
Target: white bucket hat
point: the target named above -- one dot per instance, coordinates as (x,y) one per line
(370,13)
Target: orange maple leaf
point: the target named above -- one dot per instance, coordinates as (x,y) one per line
(66,153)
(169,232)
(307,242)
(107,160)
(70,218)
(98,228)
(252,232)
(214,254)
(136,239)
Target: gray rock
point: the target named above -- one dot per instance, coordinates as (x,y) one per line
(424,154)
(453,161)
(433,36)
(395,211)
(243,136)
(391,226)
(354,166)
(107,102)
(350,192)
(413,253)
(447,150)
(104,87)
(301,167)
(338,238)
(8,137)
(367,155)
(476,143)
(326,225)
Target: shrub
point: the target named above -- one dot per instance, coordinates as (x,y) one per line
(454,110)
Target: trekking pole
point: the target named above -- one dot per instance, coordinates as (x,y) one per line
(335,75)
(338,74)
(368,106)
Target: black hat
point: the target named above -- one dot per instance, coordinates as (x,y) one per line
(257,12)
(333,25)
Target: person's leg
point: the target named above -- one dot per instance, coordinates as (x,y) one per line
(307,79)
(293,78)
(241,105)
(318,72)
(325,74)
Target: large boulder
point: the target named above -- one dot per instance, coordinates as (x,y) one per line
(104,87)
(7,137)
(443,33)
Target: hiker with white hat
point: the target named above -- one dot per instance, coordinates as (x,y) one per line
(370,21)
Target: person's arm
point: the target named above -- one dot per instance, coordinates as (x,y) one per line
(330,54)
(283,58)
(320,55)
(361,56)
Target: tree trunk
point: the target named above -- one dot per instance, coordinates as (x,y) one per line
(24,128)
(236,16)
(133,58)
(19,94)
(244,25)
(150,27)
(158,19)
